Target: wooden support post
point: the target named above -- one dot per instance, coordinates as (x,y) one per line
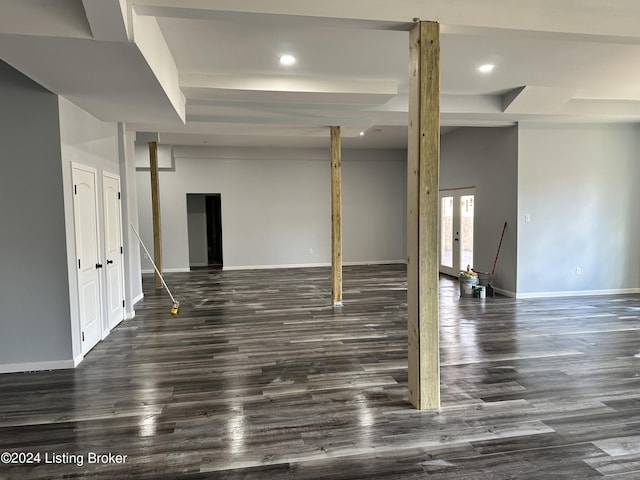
(422,215)
(336,217)
(155,207)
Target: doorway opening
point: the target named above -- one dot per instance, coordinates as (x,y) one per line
(456,230)
(204,222)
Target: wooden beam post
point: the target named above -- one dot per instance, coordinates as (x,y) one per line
(155,207)
(336,217)
(423,161)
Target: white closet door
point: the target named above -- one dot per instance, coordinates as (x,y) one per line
(114,268)
(85,211)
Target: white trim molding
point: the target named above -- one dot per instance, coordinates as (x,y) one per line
(167,270)
(77,360)
(312,265)
(269,267)
(37,366)
(579,293)
(506,293)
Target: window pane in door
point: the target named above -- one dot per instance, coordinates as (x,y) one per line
(446,236)
(466,231)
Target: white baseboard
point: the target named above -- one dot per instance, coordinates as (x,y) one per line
(130,315)
(168,270)
(137,299)
(376,262)
(506,293)
(579,293)
(269,267)
(77,360)
(312,265)
(38,366)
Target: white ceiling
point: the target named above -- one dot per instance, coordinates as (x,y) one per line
(207,72)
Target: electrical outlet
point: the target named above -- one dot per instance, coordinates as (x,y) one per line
(578,271)
(311,250)
(527,218)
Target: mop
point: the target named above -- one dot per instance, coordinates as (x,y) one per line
(176,304)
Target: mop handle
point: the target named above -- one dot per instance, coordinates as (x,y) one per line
(498,252)
(152,263)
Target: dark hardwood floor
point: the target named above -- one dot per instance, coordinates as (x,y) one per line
(260,378)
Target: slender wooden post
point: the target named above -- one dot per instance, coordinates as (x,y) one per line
(155,207)
(336,217)
(422,215)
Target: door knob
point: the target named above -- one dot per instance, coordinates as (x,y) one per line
(109,262)
(98,265)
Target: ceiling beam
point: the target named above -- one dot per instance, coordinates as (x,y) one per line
(536,100)
(595,18)
(153,47)
(221,93)
(108,19)
(290,84)
(249,17)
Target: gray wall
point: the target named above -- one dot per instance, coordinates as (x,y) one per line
(374,199)
(34,291)
(487,159)
(276,205)
(579,185)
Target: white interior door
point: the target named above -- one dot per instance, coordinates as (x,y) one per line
(85,211)
(114,268)
(456,230)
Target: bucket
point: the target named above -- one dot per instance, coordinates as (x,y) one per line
(467,283)
(480,291)
(483,278)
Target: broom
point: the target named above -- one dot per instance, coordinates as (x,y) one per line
(490,290)
(176,304)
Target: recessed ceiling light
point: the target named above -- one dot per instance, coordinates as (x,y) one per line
(287,60)
(361,133)
(486,68)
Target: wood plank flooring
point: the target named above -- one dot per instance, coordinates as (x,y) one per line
(259,377)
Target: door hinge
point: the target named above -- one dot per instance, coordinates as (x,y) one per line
(122,303)
(121,250)
(119,198)
(83,336)
(79,267)
(75,189)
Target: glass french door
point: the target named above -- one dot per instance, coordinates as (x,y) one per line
(456,230)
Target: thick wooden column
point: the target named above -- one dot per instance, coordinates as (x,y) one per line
(336,217)
(155,207)
(422,215)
